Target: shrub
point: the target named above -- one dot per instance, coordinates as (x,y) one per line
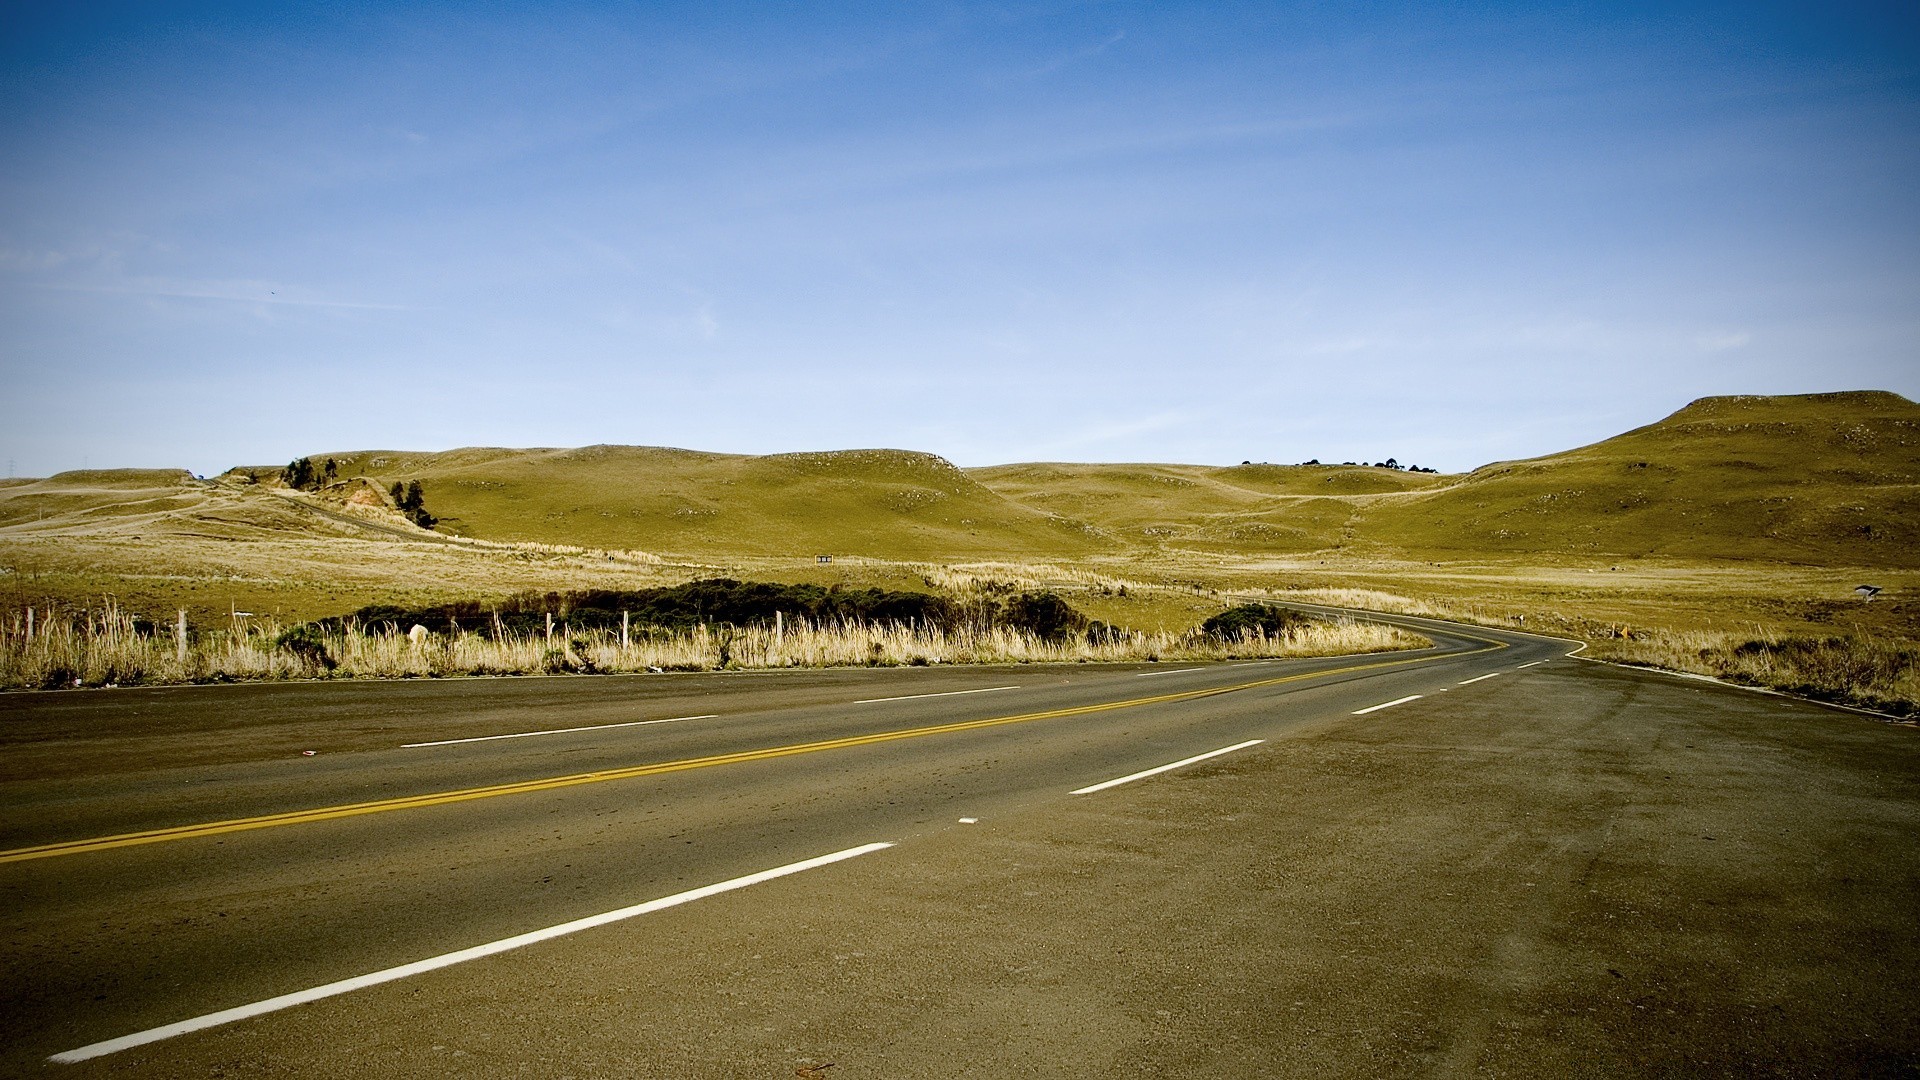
(307,642)
(1044,615)
(1250,620)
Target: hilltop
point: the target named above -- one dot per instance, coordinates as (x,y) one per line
(1821,479)
(889,504)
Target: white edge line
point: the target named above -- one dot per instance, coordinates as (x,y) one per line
(1171,671)
(946,693)
(1166,768)
(1477,678)
(557,731)
(301,997)
(1387,704)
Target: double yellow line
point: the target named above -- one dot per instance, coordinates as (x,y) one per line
(440,798)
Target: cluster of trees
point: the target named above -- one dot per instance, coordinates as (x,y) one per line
(1390,463)
(302,475)
(413,503)
(727,602)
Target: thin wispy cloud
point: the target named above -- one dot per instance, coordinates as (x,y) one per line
(259,293)
(1177,231)
(1073,57)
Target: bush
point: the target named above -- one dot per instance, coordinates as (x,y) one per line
(308,643)
(714,601)
(1044,615)
(1247,620)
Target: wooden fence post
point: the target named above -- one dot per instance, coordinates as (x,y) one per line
(180,638)
(623,630)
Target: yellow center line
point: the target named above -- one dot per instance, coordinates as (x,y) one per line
(439,798)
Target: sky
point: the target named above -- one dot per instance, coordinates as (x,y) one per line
(1194,232)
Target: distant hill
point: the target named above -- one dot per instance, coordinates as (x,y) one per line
(892,504)
(1265,508)
(1826,479)
(1831,479)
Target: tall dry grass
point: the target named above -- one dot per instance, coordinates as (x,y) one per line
(1872,673)
(1881,673)
(107,647)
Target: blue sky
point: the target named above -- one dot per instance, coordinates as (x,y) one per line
(1095,231)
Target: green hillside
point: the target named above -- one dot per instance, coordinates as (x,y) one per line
(1828,479)
(880,503)
(1823,479)
(1263,508)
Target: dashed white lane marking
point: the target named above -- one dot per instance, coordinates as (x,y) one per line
(969,821)
(301,997)
(1167,768)
(1477,678)
(1169,671)
(1387,704)
(1530,663)
(949,693)
(558,731)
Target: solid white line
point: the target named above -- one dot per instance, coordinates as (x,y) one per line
(1174,671)
(1386,704)
(301,997)
(1166,768)
(1530,663)
(558,731)
(949,693)
(1477,678)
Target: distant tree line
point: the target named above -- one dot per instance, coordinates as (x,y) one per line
(1390,463)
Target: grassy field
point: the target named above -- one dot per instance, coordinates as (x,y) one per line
(1735,520)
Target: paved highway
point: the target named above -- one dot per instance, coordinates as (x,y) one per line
(1486,858)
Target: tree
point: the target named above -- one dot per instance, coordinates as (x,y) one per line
(412,502)
(299,475)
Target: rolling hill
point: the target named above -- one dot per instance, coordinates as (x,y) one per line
(1822,479)
(1825,479)
(890,504)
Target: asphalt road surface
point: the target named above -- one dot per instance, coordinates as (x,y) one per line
(1483,859)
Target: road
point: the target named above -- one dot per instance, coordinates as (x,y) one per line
(1486,858)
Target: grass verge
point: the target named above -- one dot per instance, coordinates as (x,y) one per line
(108,648)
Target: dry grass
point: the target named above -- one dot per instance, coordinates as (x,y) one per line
(1870,666)
(1870,673)
(107,648)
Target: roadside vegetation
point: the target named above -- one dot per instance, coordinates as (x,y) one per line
(107,647)
(1868,667)
(1732,538)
